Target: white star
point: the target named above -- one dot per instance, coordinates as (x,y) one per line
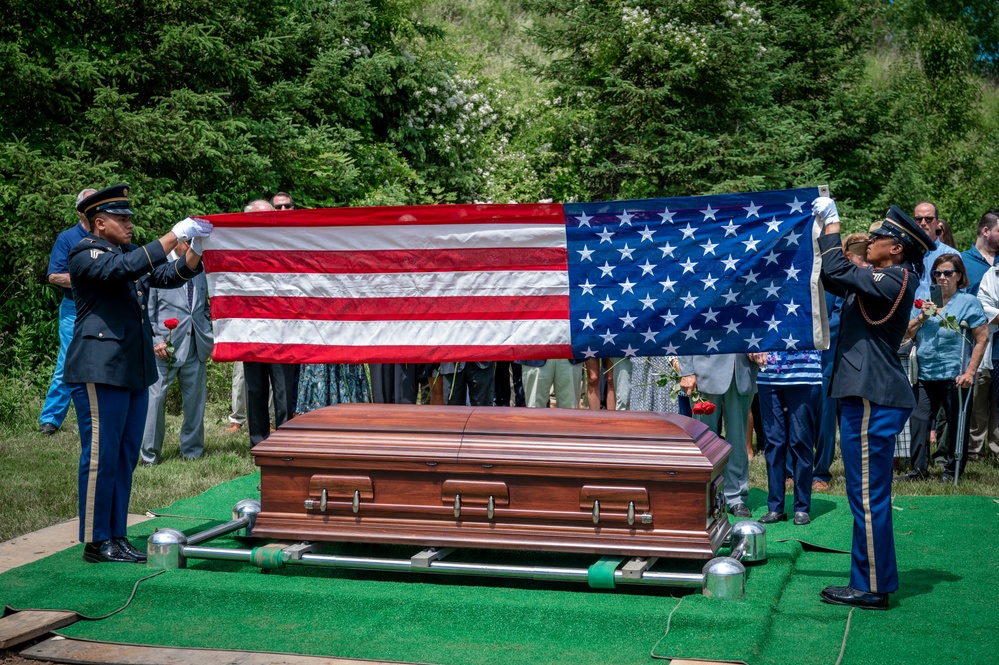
(668,284)
(585,253)
(588,322)
(792,309)
(749,276)
(709,282)
(796,206)
(608,337)
(589,353)
(626,252)
(628,321)
(647,268)
(584,219)
(649,302)
(649,335)
(712,345)
(670,350)
(752,210)
(690,333)
(667,216)
(773,290)
(771,257)
(669,318)
(689,300)
(587,287)
(751,309)
(606,269)
(607,303)
(792,238)
(753,341)
(605,236)
(625,218)
(730,262)
(688,266)
(646,234)
(688,231)
(773,225)
(710,315)
(629,352)
(709,213)
(772,323)
(708,247)
(730,297)
(750,244)
(731,326)
(792,273)
(791,342)
(730,228)
(667,250)
(627,286)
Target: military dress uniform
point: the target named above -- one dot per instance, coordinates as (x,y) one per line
(875,396)
(110,365)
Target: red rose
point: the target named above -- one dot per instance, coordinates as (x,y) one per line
(703,408)
(171,323)
(918,303)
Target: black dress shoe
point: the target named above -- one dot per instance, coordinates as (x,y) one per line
(740,510)
(912,476)
(107,550)
(137,554)
(48,429)
(772,517)
(947,478)
(802,518)
(844,595)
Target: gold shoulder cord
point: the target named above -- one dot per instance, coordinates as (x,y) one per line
(898,300)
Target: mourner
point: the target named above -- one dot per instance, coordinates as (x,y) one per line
(110,363)
(875,396)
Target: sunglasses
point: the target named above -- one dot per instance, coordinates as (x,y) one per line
(944,273)
(283,206)
(924,219)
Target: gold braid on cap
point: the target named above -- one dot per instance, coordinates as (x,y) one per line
(898,301)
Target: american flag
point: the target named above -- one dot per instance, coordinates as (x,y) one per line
(693,275)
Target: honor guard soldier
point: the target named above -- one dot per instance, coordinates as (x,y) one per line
(875,395)
(110,362)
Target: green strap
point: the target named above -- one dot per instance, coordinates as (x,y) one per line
(267,557)
(601,574)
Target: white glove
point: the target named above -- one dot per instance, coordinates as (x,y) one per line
(824,209)
(196,245)
(191,227)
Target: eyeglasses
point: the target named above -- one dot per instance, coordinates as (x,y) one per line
(283,206)
(924,219)
(944,273)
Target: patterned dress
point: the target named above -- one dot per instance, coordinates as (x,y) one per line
(325,385)
(646,395)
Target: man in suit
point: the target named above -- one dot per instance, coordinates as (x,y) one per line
(476,379)
(728,381)
(874,393)
(110,363)
(182,354)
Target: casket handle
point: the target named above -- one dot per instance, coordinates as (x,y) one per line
(631,512)
(355,504)
(596,511)
(457,505)
(323,500)
(491,507)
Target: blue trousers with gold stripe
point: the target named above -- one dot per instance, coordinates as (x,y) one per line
(867,439)
(111,421)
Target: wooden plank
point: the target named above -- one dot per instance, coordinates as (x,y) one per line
(65,650)
(29,624)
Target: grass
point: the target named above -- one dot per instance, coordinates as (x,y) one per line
(38,473)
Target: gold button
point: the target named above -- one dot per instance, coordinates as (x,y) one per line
(138,293)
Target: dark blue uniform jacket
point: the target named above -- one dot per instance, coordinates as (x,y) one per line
(867,363)
(112,340)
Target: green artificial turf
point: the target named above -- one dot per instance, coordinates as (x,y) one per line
(944,612)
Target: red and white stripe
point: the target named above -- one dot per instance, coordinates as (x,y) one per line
(398,284)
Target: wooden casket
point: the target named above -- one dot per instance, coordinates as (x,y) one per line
(610,482)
